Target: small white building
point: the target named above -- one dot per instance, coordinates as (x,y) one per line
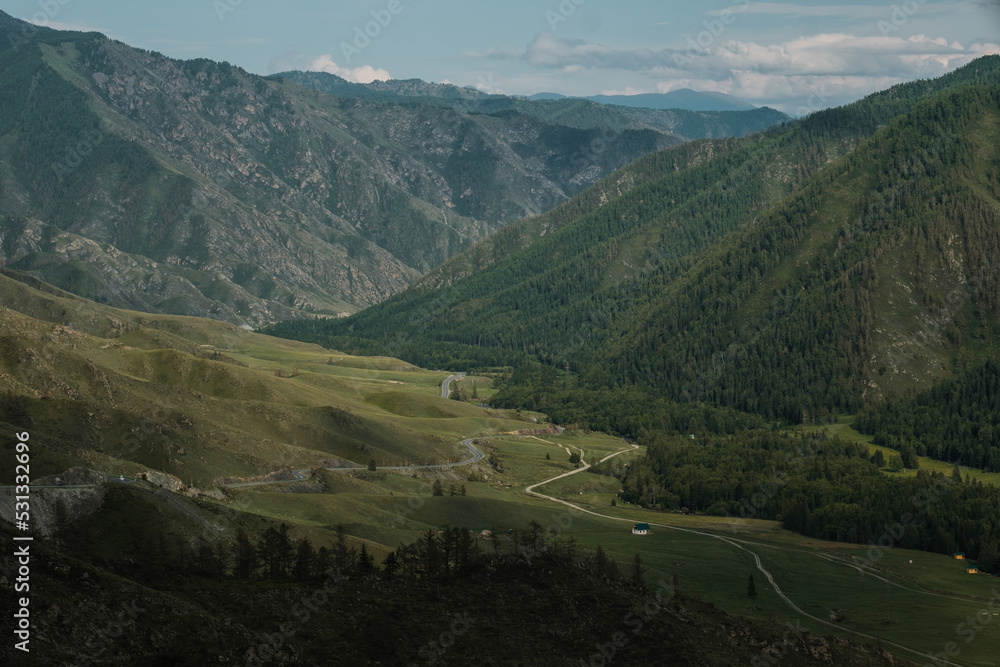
(641,529)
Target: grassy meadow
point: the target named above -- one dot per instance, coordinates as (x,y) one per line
(202,400)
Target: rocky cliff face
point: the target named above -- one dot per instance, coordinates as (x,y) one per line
(193,187)
(196,188)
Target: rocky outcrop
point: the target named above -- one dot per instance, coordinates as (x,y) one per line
(196,188)
(162,480)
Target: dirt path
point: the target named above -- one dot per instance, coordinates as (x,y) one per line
(530,490)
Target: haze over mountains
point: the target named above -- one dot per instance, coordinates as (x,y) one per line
(683,98)
(193,187)
(686,114)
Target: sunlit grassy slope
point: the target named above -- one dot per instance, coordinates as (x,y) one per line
(122,391)
(843,429)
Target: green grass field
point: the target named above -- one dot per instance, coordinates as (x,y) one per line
(844,430)
(202,399)
(929,597)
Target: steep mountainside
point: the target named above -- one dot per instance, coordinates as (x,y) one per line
(799,273)
(196,188)
(581,113)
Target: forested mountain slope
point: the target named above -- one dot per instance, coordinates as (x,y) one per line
(800,272)
(877,276)
(956,421)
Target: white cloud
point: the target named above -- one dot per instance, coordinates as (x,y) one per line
(548,51)
(854,12)
(812,71)
(363,74)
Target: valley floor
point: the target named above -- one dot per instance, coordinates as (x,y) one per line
(920,606)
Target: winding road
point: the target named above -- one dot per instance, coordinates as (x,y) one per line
(446,385)
(739,544)
(304,472)
(477,455)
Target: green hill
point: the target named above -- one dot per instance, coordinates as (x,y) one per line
(199,400)
(183,402)
(795,274)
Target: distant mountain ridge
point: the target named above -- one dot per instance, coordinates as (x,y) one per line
(720,116)
(683,98)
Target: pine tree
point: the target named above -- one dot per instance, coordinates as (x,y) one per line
(366,564)
(438,490)
(431,554)
(246,557)
(305,560)
(343,556)
(285,552)
(751,587)
(390,565)
(322,560)
(604,566)
(265,552)
(222,549)
(638,571)
(878,458)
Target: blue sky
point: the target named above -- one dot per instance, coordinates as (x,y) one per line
(796,57)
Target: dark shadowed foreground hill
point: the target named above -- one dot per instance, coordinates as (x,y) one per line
(549,610)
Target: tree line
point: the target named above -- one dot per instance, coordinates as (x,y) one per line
(956,421)
(816,485)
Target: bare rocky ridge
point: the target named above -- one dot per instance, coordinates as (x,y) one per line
(194,187)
